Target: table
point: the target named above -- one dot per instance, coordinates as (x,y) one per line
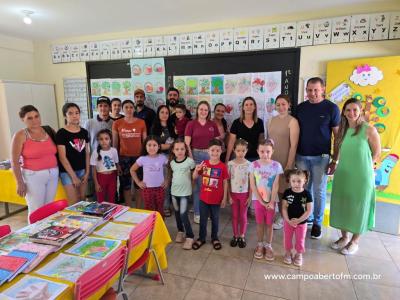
(8,194)
(161,239)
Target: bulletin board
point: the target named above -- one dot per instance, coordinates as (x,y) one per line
(375,81)
(287,61)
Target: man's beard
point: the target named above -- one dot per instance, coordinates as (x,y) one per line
(172,103)
(141,104)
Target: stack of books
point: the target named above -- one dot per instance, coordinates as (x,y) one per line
(14,263)
(54,235)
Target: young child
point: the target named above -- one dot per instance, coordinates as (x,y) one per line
(181,120)
(239,192)
(105,167)
(296,208)
(264,182)
(154,183)
(181,167)
(213,193)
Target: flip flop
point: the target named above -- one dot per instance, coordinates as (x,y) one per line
(216,244)
(198,244)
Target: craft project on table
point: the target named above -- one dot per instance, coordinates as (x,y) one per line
(115,231)
(12,240)
(30,287)
(93,247)
(67,267)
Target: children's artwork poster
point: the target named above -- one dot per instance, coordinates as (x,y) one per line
(97,248)
(110,87)
(231,89)
(373,81)
(115,231)
(31,287)
(149,74)
(67,267)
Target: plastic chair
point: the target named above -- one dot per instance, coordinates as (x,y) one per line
(96,277)
(4,230)
(138,234)
(47,210)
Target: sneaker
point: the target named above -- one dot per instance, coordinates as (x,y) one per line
(350,249)
(187,245)
(340,243)
(196,219)
(298,260)
(242,242)
(180,237)
(259,252)
(278,223)
(310,223)
(269,253)
(316,232)
(234,242)
(287,259)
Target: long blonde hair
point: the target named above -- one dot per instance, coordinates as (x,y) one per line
(344,124)
(255,118)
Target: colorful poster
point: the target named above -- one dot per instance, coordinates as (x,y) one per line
(67,267)
(191,102)
(204,85)
(97,248)
(192,86)
(115,231)
(149,75)
(132,217)
(231,86)
(258,83)
(30,287)
(180,84)
(217,85)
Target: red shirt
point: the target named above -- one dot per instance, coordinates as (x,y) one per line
(212,182)
(180,126)
(201,134)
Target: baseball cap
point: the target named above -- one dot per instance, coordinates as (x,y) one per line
(139,91)
(103,99)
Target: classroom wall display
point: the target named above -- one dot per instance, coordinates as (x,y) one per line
(149,75)
(105,50)
(343,29)
(111,87)
(94,51)
(230,89)
(75,90)
(373,81)
(74,50)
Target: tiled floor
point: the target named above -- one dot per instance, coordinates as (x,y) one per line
(233,273)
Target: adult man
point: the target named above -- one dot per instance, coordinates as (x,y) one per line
(172,101)
(142,111)
(101,121)
(318,119)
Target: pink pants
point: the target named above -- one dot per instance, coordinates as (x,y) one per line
(299,233)
(239,213)
(108,183)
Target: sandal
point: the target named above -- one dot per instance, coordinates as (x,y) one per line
(340,243)
(198,244)
(216,244)
(242,242)
(350,249)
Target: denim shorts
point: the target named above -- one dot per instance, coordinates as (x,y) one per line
(66,179)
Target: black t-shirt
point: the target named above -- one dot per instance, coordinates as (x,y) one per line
(75,147)
(146,114)
(251,135)
(297,203)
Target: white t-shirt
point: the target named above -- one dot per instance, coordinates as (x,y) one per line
(239,174)
(108,161)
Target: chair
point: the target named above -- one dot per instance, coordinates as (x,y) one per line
(138,234)
(96,277)
(4,230)
(47,210)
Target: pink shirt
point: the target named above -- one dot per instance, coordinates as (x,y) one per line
(201,134)
(39,155)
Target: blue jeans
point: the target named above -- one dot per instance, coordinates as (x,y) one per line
(317,166)
(181,215)
(211,210)
(198,157)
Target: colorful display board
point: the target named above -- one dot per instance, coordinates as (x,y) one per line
(375,82)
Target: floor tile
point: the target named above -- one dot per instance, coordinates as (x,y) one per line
(211,291)
(284,288)
(387,270)
(185,262)
(248,295)
(368,291)
(220,269)
(175,288)
(324,262)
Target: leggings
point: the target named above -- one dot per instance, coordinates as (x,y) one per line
(300,235)
(239,213)
(153,198)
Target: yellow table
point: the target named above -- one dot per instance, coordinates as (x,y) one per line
(161,239)
(8,193)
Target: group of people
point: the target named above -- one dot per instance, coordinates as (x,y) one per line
(168,156)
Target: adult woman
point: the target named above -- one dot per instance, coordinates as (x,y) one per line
(198,134)
(284,130)
(128,136)
(248,127)
(115,109)
(164,128)
(74,154)
(37,176)
(353,189)
(219,113)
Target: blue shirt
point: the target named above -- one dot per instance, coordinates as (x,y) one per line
(316,122)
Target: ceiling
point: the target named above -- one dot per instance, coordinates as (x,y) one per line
(54,19)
